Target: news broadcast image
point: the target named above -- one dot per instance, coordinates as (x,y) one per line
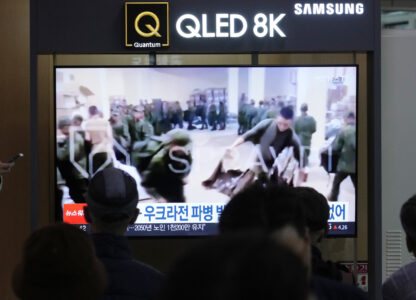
(192,137)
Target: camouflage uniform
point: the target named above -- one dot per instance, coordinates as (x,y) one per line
(121,134)
(143,131)
(345,145)
(212,116)
(163,164)
(242,118)
(305,126)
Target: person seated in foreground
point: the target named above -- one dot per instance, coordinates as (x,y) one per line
(112,199)
(277,211)
(236,267)
(59,263)
(402,284)
(317,214)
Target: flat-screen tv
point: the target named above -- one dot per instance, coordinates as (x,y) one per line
(194,136)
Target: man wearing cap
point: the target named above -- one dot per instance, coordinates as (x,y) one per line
(71,160)
(305,126)
(112,199)
(273,135)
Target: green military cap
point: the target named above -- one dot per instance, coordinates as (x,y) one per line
(178,137)
(64,121)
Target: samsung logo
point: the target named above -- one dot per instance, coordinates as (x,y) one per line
(329,9)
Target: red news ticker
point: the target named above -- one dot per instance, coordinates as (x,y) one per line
(74,213)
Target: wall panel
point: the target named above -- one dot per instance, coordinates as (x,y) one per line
(14,136)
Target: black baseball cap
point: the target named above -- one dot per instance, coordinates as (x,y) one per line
(112,191)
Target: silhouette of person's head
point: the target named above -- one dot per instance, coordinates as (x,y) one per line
(234,267)
(59,263)
(112,199)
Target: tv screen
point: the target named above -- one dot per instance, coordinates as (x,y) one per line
(192,137)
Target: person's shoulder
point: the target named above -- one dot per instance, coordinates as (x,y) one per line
(331,289)
(145,269)
(402,281)
(262,125)
(132,278)
(265,122)
(299,119)
(311,119)
(406,269)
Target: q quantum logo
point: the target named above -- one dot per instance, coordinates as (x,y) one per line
(147,24)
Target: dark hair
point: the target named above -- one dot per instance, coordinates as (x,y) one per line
(93,110)
(351,115)
(234,267)
(287,112)
(315,206)
(265,207)
(59,262)
(408,218)
(78,118)
(304,107)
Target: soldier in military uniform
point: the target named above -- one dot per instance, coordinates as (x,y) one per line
(163,164)
(121,134)
(261,113)
(128,120)
(201,111)
(242,119)
(143,130)
(75,179)
(305,126)
(190,114)
(212,115)
(77,121)
(177,115)
(251,114)
(166,113)
(222,116)
(345,145)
